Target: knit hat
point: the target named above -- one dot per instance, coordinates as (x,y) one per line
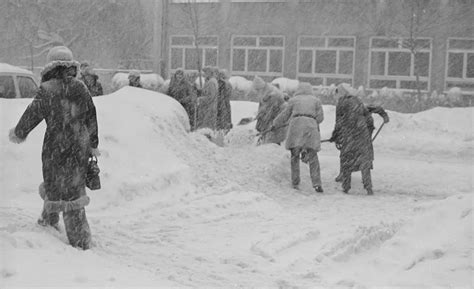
(59,56)
(258,82)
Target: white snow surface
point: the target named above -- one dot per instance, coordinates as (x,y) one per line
(286,84)
(150,81)
(240,83)
(176,210)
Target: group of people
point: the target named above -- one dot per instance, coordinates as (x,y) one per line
(297,120)
(64,101)
(209,106)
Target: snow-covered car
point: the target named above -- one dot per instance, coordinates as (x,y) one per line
(16,82)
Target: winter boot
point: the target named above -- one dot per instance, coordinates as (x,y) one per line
(370,192)
(318,189)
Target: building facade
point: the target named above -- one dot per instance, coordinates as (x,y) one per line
(402,44)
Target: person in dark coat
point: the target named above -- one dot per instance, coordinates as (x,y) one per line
(304,113)
(353,136)
(271,103)
(91,80)
(224,117)
(71,137)
(183,91)
(370,124)
(207,102)
(134,79)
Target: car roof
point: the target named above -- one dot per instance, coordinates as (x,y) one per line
(7,68)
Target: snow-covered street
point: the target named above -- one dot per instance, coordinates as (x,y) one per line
(176,210)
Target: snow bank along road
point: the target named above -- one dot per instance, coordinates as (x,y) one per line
(177,210)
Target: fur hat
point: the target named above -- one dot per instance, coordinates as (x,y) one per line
(304,88)
(258,82)
(59,56)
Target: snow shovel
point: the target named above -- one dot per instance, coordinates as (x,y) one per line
(380,128)
(263,133)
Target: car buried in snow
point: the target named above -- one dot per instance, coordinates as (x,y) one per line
(16,82)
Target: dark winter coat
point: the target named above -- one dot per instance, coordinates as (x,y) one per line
(353,135)
(207,105)
(270,105)
(71,130)
(224,117)
(184,92)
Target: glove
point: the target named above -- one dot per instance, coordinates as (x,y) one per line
(386,119)
(339,146)
(13,137)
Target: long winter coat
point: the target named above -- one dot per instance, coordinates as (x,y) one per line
(184,93)
(305,113)
(353,134)
(270,105)
(207,105)
(71,130)
(224,117)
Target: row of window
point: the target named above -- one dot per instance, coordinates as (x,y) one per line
(327,60)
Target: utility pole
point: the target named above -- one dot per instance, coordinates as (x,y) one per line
(160,35)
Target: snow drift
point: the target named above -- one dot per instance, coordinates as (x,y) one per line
(175,210)
(151,81)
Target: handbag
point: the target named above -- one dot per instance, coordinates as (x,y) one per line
(92,176)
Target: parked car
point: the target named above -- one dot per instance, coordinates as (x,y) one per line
(16,82)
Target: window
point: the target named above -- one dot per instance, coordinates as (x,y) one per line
(262,55)
(184,54)
(27,87)
(7,87)
(460,64)
(325,60)
(392,64)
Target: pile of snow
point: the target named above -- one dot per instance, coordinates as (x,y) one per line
(151,81)
(439,132)
(286,85)
(240,83)
(440,237)
(174,209)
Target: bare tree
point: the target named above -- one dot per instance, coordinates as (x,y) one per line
(191,9)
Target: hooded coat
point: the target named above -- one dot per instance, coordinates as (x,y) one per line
(352,133)
(71,131)
(270,105)
(304,112)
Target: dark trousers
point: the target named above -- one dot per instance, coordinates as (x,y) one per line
(76,225)
(366,179)
(314,169)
